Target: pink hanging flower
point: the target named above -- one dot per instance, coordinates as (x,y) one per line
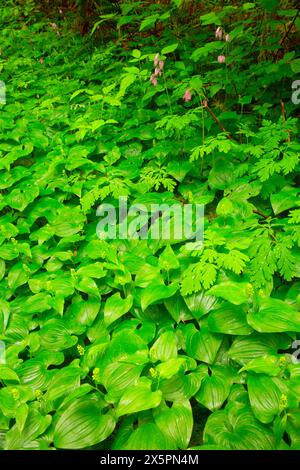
(157,72)
(187,96)
(219,33)
(227,38)
(161,64)
(153,80)
(156,60)
(221,59)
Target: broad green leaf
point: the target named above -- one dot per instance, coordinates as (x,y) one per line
(7,374)
(237,429)
(116,307)
(85,312)
(202,345)
(136,53)
(229,319)
(24,439)
(245,349)
(119,377)
(176,423)
(164,348)
(169,368)
(55,336)
(20,198)
(285,199)
(153,293)
(264,397)
(169,49)
(82,425)
(215,387)
(210,18)
(267,364)
(236,293)
(178,309)
(140,398)
(179,169)
(148,436)
(168,260)
(200,304)
(63,382)
(295,65)
(273,316)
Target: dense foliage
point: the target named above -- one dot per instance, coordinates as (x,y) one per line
(143,344)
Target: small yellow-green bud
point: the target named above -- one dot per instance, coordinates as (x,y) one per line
(80,350)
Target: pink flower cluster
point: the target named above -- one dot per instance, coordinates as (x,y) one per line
(187,96)
(158,68)
(221,35)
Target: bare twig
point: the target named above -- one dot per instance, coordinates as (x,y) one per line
(228,135)
(287,32)
(261,214)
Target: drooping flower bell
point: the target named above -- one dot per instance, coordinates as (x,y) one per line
(153,80)
(227,38)
(221,59)
(187,95)
(219,33)
(159,65)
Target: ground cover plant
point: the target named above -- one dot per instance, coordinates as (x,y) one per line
(146,344)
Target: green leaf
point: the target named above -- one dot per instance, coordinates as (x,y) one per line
(7,374)
(2,269)
(229,319)
(235,292)
(140,398)
(210,18)
(85,312)
(136,53)
(154,293)
(263,365)
(55,336)
(168,259)
(202,345)
(177,308)
(164,348)
(264,397)
(148,22)
(89,286)
(295,65)
(63,383)
(169,49)
(179,169)
(244,349)
(82,425)
(116,307)
(168,369)
(17,276)
(176,423)
(147,436)
(236,428)
(287,198)
(200,304)
(20,198)
(23,436)
(215,387)
(273,316)
(119,377)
